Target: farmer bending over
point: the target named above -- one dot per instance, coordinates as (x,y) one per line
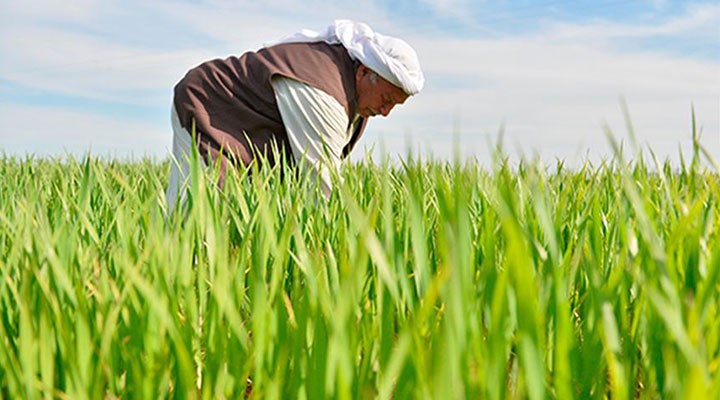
(310,95)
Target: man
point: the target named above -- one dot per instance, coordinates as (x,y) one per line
(308,97)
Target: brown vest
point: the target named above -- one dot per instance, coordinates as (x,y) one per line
(233,104)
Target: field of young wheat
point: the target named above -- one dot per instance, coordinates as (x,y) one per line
(416,279)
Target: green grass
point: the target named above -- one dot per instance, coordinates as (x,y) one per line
(425,279)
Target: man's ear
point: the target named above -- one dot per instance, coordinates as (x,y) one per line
(360,73)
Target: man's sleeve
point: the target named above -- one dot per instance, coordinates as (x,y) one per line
(317,128)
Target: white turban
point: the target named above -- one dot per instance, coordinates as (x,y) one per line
(389,57)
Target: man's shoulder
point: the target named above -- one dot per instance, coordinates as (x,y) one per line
(307,49)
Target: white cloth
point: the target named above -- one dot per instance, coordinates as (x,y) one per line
(180,164)
(389,57)
(317,128)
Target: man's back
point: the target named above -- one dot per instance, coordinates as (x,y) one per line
(232,98)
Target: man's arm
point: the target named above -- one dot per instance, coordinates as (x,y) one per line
(317,127)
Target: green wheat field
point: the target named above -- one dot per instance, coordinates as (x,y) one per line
(416,279)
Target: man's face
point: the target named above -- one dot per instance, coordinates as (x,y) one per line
(376,98)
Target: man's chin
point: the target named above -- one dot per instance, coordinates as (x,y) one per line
(370,113)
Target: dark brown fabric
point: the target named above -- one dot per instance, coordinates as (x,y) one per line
(232,103)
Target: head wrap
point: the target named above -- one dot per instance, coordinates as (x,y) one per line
(389,57)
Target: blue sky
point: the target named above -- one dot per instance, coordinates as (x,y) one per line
(97,75)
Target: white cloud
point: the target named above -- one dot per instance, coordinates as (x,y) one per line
(700,21)
(54,10)
(240,26)
(82,65)
(658,4)
(49,131)
(452,8)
